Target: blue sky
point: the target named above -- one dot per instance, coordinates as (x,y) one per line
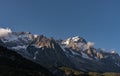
(97,21)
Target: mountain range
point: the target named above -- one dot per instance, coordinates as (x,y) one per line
(31,51)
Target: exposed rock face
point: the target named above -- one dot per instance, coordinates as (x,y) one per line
(75,43)
(42,41)
(80,46)
(85,56)
(48,53)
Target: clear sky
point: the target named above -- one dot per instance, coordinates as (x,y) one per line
(97,21)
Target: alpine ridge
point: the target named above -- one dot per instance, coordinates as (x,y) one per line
(74,52)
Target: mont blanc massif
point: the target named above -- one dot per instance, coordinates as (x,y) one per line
(27,54)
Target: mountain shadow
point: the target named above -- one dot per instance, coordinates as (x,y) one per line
(13,64)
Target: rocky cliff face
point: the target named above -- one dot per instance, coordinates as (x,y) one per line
(48,53)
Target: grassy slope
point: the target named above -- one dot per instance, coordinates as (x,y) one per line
(70,71)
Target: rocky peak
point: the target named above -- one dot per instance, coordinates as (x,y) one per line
(76,43)
(43,41)
(78,39)
(75,39)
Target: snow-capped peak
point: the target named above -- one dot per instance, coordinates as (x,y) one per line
(35,36)
(4,32)
(76,38)
(76,43)
(67,42)
(113,52)
(15,37)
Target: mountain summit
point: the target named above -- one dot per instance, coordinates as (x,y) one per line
(74,52)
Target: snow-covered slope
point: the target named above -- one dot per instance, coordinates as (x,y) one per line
(18,41)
